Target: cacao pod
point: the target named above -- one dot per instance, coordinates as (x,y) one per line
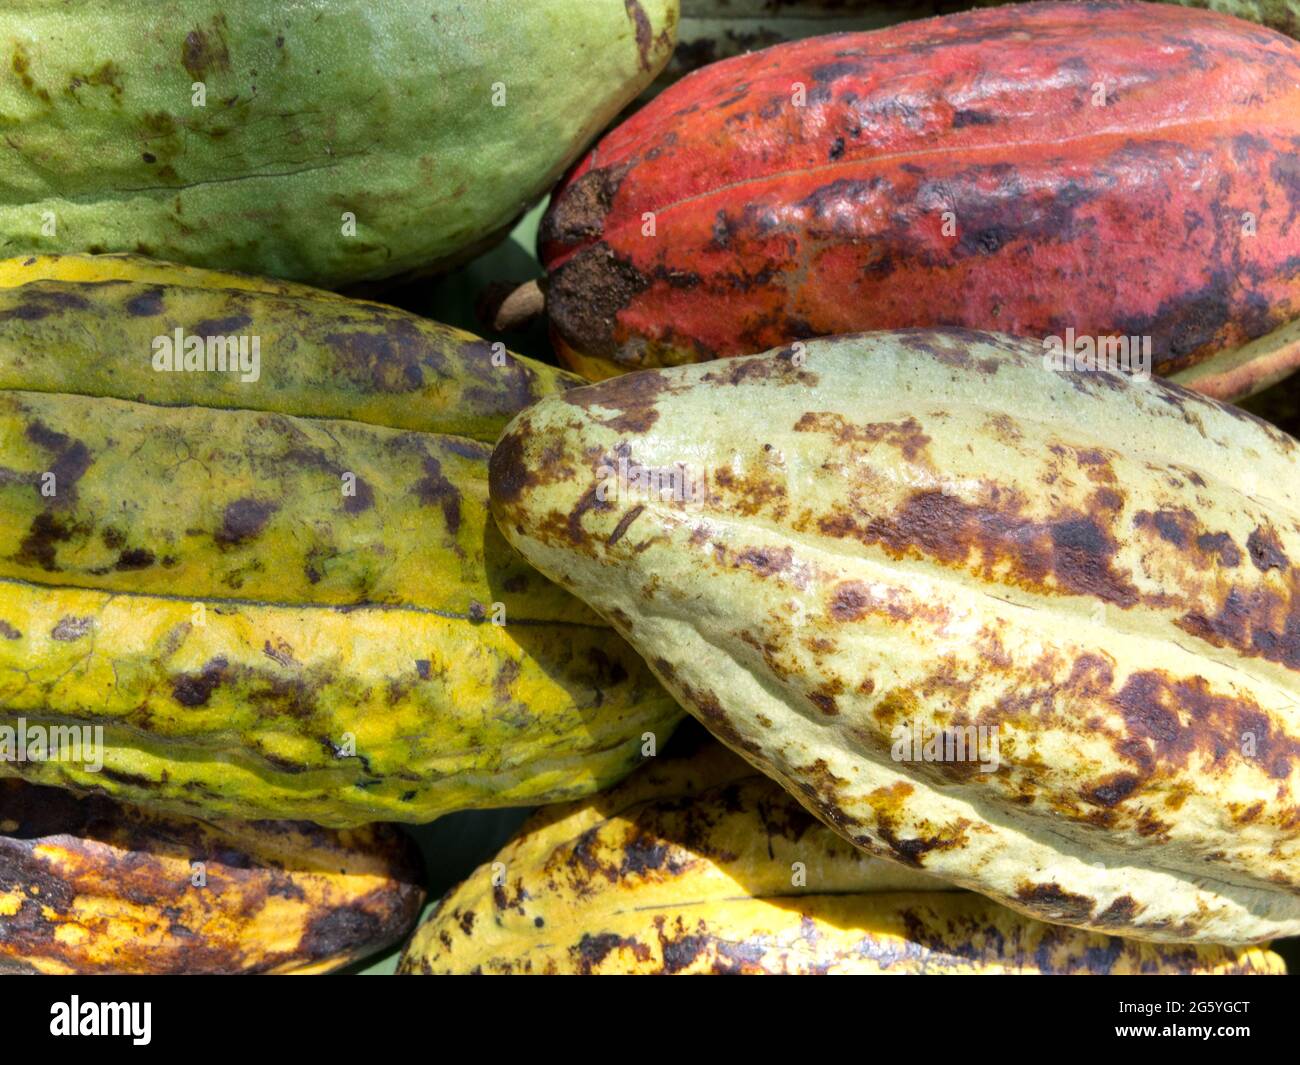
(704,865)
(327,356)
(1113,170)
(88,885)
(279,616)
(1032,632)
(330,142)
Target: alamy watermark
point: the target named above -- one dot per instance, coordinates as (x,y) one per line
(918,741)
(179,353)
(676,483)
(1129,355)
(54,743)
(77,1018)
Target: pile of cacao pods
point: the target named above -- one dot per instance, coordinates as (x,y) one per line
(900,391)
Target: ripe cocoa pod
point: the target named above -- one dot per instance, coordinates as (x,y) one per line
(267,615)
(89,324)
(1111,169)
(1080,586)
(703,865)
(330,142)
(91,886)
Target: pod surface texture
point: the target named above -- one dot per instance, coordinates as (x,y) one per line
(330,141)
(270,615)
(89,885)
(929,534)
(703,865)
(1113,169)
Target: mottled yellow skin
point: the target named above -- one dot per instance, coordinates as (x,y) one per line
(930,530)
(254,506)
(705,865)
(275,615)
(123,266)
(248,714)
(91,886)
(86,324)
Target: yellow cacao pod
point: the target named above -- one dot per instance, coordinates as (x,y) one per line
(249,613)
(702,864)
(88,885)
(1032,631)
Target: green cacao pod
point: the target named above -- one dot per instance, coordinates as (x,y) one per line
(88,885)
(1031,631)
(270,615)
(703,865)
(329,142)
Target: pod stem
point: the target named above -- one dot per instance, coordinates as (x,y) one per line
(507,306)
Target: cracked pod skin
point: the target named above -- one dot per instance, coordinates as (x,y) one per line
(257,636)
(689,866)
(775,222)
(314,110)
(89,886)
(928,530)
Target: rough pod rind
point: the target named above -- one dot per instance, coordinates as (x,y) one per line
(704,865)
(331,141)
(91,886)
(927,534)
(1108,168)
(227,608)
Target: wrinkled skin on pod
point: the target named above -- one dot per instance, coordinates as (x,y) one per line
(252,613)
(1033,632)
(1114,169)
(91,886)
(330,141)
(704,865)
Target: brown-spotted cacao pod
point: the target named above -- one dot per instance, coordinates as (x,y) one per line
(89,885)
(280,594)
(839,556)
(1113,169)
(704,865)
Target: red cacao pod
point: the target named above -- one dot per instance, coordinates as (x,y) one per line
(1118,169)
